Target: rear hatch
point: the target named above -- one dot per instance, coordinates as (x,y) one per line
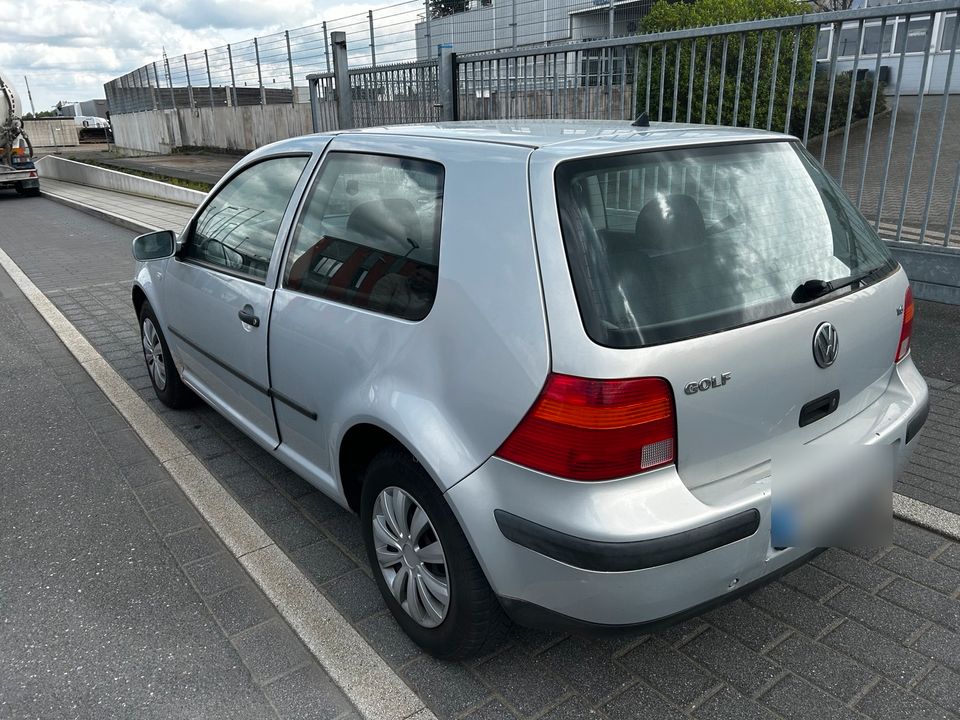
(721,268)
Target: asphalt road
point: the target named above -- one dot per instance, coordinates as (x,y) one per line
(873,633)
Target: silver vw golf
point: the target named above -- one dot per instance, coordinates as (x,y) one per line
(573,374)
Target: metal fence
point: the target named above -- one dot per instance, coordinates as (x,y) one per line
(271,69)
(867,91)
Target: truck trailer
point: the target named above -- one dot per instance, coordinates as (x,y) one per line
(17,170)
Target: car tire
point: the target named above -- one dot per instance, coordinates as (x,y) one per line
(472,622)
(27,192)
(160,367)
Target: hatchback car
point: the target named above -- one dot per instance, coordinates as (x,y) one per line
(563,371)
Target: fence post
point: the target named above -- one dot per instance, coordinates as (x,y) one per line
(206,60)
(447,82)
(342,78)
(610,20)
(513,21)
(429,13)
(373,42)
(233,79)
(166,67)
(186,68)
(158,97)
(256,52)
(313,85)
(326,45)
(293,82)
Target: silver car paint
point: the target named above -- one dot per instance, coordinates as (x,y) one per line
(217,328)
(773,373)
(451,386)
(650,505)
(483,353)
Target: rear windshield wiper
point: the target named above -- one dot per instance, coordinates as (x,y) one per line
(813,289)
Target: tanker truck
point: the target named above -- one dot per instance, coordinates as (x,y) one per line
(16,153)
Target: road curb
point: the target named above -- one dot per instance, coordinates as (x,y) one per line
(927,516)
(375,690)
(99,213)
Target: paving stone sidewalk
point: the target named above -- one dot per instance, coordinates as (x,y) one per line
(116,599)
(875,633)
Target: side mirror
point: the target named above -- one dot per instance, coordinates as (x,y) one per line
(154,245)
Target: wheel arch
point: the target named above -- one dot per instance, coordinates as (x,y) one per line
(359,445)
(139,297)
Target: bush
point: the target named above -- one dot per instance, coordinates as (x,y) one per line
(768,96)
(742,51)
(841,96)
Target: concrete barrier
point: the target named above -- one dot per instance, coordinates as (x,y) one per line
(57,168)
(227,128)
(933,270)
(52,132)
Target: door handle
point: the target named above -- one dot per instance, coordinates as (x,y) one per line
(246,315)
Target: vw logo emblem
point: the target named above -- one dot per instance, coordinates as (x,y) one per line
(826,345)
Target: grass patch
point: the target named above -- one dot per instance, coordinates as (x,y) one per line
(189,184)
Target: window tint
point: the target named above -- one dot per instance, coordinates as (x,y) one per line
(916,37)
(369,234)
(678,243)
(947,38)
(873,42)
(848,41)
(238,229)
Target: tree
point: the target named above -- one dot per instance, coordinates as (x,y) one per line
(829,5)
(442,8)
(41,114)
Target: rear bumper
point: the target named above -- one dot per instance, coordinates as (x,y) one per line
(19,177)
(537,616)
(647,549)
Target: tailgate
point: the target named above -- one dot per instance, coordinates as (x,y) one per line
(754,415)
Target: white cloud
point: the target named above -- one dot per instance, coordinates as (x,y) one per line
(69,48)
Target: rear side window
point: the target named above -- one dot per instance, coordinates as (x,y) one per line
(672,244)
(369,234)
(237,230)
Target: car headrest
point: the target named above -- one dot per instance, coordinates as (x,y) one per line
(391,219)
(669,223)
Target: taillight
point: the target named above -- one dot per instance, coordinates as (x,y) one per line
(903,347)
(583,429)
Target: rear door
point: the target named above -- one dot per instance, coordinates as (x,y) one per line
(218,293)
(686,264)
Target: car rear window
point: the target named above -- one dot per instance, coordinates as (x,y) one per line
(671,244)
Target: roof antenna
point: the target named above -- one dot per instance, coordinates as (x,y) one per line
(642,120)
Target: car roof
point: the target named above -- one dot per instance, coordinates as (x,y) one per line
(569,137)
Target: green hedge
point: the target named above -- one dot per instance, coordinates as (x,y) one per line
(773,79)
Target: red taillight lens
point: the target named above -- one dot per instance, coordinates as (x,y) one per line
(583,429)
(903,347)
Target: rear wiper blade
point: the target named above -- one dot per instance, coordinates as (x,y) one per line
(813,289)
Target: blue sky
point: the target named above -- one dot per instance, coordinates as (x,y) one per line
(69,48)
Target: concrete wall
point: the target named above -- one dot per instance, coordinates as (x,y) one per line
(52,132)
(57,168)
(228,128)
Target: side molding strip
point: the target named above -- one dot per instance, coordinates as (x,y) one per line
(269,392)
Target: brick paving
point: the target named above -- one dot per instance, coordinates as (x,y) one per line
(122,602)
(870,633)
(901,151)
